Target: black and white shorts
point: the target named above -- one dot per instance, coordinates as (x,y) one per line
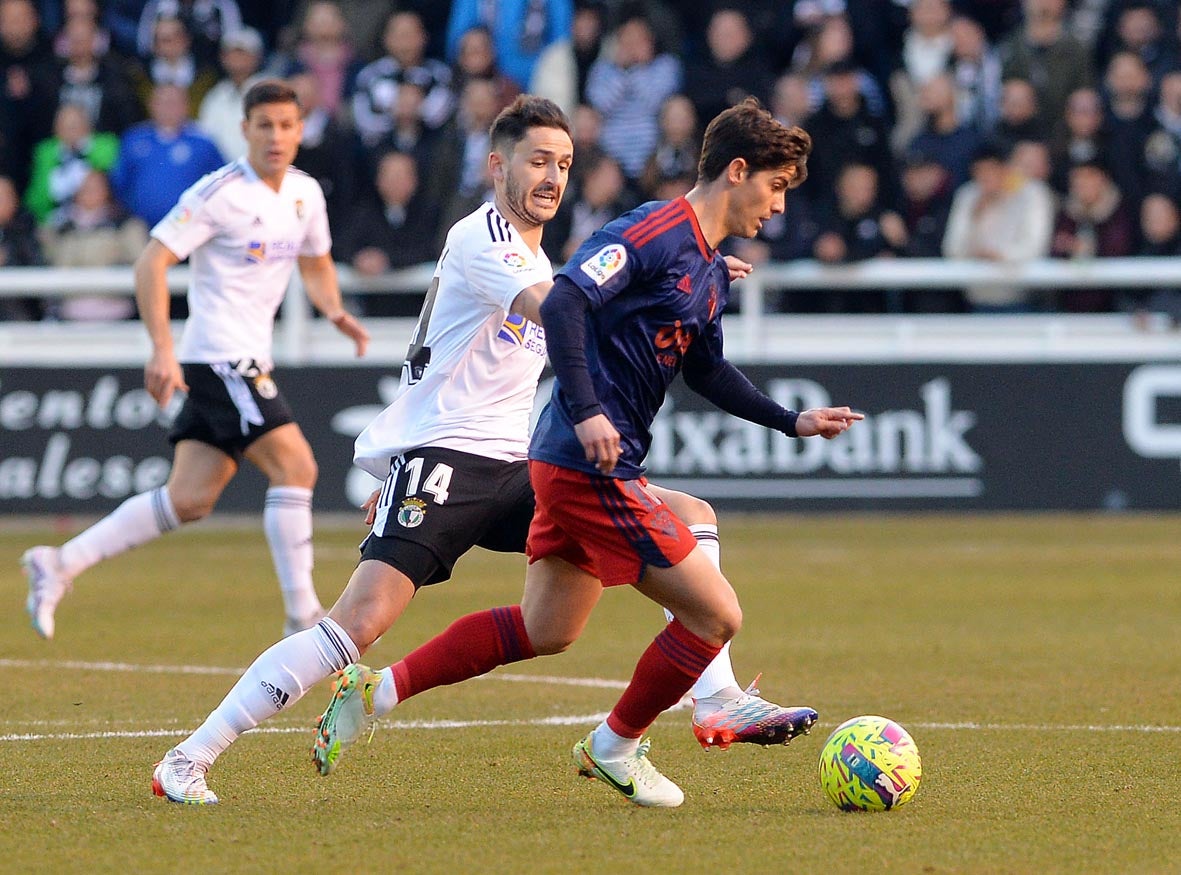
(437,504)
(229,406)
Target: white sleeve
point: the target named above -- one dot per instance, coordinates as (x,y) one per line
(318,239)
(497,273)
(187,225)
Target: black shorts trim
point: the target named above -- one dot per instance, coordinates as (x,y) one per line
(229,406)
(438,503)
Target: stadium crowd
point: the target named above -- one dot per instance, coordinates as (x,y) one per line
(994,129)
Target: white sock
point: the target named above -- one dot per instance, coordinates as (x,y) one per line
(385,694)
(287,521)
(608,745)
(136,521)
(719,674)
(275,680)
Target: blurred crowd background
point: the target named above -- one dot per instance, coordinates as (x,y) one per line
(1004,130)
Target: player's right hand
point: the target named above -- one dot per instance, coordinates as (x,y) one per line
(370,507)
(600,441)
(163,376)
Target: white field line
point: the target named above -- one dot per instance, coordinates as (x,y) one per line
(567,720)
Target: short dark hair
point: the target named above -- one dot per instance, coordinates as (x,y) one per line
(527,111)
(268,91)
(748,131)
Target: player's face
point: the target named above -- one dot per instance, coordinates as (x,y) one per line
(273,132)
(531,181)
(758,196)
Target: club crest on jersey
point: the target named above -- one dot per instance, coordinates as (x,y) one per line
(515,261)
(256,252)
(411,513)
(299,209)
(605,263)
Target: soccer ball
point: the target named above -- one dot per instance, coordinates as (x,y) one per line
(870,764)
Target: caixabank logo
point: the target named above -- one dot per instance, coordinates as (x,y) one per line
(1150,392)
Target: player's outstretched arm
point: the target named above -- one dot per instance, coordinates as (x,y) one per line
(162,373)
(323,290)
(827,422)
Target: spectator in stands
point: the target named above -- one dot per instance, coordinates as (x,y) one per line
(734,66)
(29,83)
(97,82)
(326,152)
(829,46)
(976,68)
(1030,159)
(856,227)
(121,20)
(561,70)
(521,29)
(1093,222)
(927,48)
(18,248)
(172,62)
(924,205)
(1127,87)
(87,11)
(160,158)
(220,115)
(325,51)
(205,22)
(791,102)
(361,23)
(1160,237)
(678,148)
(602,195)
(61,163)
(1043,52)
(848,131)
(92,230)
(476,59)
(404,63)
(1020,118)
(459,171)
(1083,138)
(944,136)
(1162,148)
(628,86)
(994,218)
(396,231)
(408,132)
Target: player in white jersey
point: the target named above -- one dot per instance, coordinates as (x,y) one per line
(451,447)
(244,229)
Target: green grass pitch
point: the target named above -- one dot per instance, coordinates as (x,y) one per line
(1035,660)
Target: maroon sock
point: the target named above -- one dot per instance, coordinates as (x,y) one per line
(469,647)
(663,675)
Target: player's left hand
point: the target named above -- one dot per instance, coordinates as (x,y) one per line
(739,269)
(827,422)
(346,323)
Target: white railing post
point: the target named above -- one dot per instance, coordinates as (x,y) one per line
(297,314)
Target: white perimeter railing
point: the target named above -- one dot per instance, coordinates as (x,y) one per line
(752,334)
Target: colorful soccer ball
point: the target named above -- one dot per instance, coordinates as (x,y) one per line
(870,764)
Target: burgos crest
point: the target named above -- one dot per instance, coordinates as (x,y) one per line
(605,263)
(411,513)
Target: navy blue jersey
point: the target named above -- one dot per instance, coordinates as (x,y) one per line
(656,294)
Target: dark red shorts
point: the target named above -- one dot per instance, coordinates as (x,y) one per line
(613,529)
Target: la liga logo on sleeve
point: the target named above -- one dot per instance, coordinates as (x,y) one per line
(605,263)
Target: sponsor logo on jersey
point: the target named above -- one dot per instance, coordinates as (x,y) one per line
(411,513)
(605,263)
(671,343)
(515,261)
(256,252)
(519,331)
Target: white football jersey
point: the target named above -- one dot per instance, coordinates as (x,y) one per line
(242,238)
(472,368)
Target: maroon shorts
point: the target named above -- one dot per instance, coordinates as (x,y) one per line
(613,529)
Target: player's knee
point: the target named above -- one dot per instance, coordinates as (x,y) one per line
(551,642)
(698,512)
(193,506)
